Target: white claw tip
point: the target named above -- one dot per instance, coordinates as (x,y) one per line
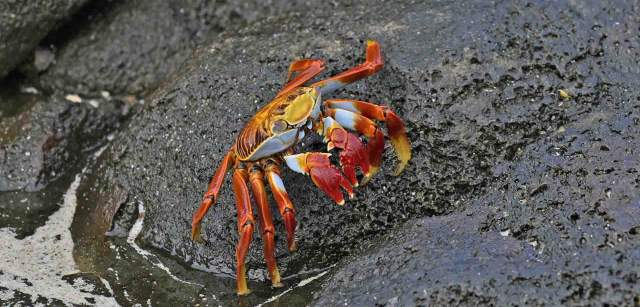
(330,146)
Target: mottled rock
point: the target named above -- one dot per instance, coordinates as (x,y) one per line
(43,137)
(479,87)
(129,47)
(23,24)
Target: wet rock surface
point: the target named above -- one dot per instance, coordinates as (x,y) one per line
(484,113)
(130,47)
(43,137)
(23,24)
(523,187)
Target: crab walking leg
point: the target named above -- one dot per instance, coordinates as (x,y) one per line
(211,196)
(357,114)
(307,68)
(325,176)
(352,152)
(302,65)
(372,64)
(266,225)
(245,227)
(284,204)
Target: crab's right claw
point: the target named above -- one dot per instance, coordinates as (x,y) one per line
(375,148)
(353,152)
(326,176)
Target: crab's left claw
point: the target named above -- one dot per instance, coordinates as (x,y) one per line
(353,153)
(326,176)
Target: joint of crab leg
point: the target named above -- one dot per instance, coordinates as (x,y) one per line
(210,196)
(372,64)
(245,227)
(324,175)
(285,207)
(266,224)
(289,217)
(246,234)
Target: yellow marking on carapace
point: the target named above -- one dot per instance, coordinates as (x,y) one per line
(294,107)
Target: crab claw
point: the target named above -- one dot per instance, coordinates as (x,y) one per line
(326,176)
(357,116)
(352,152)
(399,140)
(375,148)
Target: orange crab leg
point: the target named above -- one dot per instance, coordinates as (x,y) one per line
(211,196)
(266,225)
(284,203)
(372,64)
(307,68)
(245,227)
(356,115)
(326,176)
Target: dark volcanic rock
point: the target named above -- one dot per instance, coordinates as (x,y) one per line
(46,136)
(129,47)
(24,23)
(556,221)
(496,150)
(558,226)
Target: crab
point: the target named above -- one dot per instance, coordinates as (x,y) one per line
(270,138)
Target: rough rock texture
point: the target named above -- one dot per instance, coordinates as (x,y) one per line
(43,137)
(531,180)
(556,218)
(129,47)
(24,23)
(108,52)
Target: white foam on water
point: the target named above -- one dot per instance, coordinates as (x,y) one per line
(36,264)
(131,239)
(302,283)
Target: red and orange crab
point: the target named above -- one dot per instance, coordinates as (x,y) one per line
(270,136)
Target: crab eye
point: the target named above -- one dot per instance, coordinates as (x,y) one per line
(279,126)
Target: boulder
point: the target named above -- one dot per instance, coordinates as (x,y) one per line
(130,47)
(520,115)
(23,24)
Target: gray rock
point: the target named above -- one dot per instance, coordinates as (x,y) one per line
(43,137)
(23,24)
(478,85)
(129,47)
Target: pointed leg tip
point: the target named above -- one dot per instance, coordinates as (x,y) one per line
(341,202)
(373,170)
(277,285)
(195,234)
(243,292)
(293,247)
(401,166)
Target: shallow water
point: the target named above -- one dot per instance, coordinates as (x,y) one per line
(59,263)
